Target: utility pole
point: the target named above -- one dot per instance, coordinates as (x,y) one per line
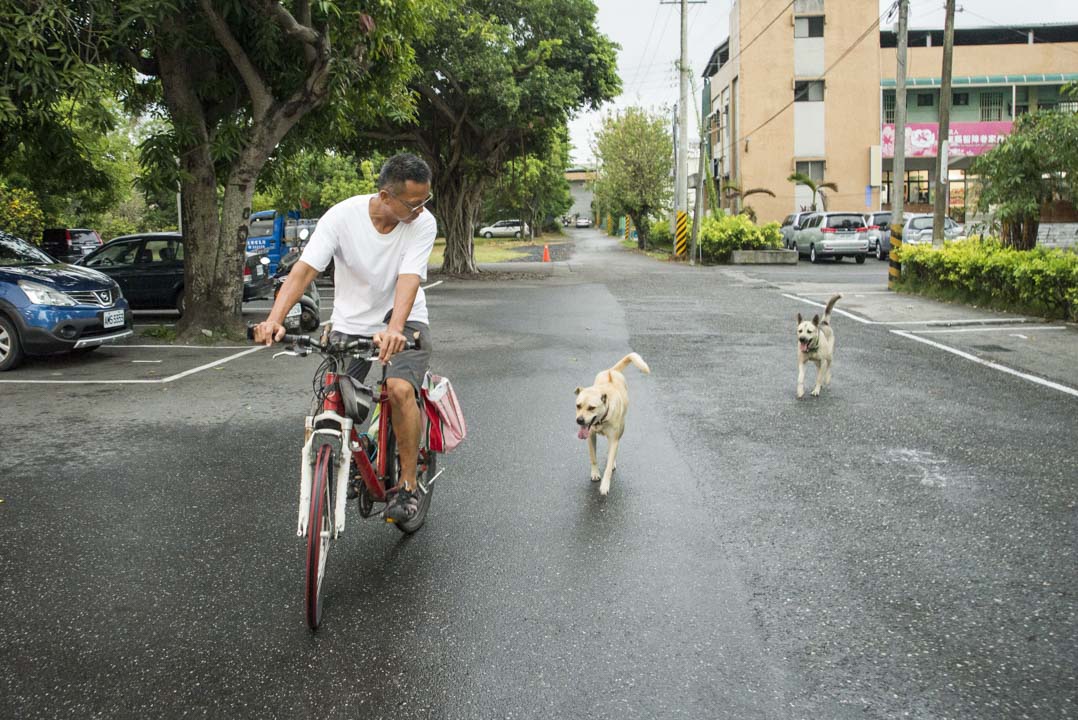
(943,184)
(681,153)
(898,168)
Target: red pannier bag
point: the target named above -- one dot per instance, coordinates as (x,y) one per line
(447,427)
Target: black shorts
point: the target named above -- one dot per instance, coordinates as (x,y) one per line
(410,365)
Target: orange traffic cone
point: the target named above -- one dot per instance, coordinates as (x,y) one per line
(546,253)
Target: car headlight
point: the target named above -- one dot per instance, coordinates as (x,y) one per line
(43,294)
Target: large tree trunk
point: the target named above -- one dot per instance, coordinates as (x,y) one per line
(1021,234)
(640,222)
(458,205)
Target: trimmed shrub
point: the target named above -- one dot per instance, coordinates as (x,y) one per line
(1040,281)
(660,233)
(720,236)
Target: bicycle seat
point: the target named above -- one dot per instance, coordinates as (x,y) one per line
(356,398)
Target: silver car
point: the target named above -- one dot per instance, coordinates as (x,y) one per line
(878,225)
(832,234)
(506,228)
(918,230)
(790,226)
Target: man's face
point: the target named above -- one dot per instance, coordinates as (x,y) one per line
(407,201)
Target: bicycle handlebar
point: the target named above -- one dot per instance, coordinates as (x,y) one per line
(306,341)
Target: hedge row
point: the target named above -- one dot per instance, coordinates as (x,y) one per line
(981,271)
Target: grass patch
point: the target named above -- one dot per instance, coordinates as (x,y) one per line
(655,252)
(495,250)
(159,332)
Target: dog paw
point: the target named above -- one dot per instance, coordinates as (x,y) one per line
(800,394)
(595,476)
(816,392)
(604,489)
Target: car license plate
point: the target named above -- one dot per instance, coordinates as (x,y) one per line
(259,271)
(113,318)
(296,311)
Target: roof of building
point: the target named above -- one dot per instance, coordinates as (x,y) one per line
(995,35)
(719,57)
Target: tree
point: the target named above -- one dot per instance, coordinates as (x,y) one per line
(1036,164)
(532,184)
(233,78)
(733,190)
(634,150)
(815,187)
(498,80)
(313,181)
(54,109)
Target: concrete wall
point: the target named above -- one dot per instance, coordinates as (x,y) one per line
(984,59)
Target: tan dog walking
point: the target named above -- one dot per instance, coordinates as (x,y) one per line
(601,410)
(816,344)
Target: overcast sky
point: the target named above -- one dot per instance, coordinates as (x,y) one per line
(648,35)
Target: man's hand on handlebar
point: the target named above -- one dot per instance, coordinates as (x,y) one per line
(267,332)
(389,342)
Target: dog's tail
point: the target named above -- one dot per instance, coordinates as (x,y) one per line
(830,304)
(635,360)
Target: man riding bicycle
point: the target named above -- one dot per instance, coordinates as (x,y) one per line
(379,245)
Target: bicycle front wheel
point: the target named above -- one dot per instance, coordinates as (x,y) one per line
(319,531)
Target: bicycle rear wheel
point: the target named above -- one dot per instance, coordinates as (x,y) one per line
(409,526)
(319,531)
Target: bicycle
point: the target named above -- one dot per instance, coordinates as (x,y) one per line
(336,455)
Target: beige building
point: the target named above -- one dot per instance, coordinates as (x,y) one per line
(809,87)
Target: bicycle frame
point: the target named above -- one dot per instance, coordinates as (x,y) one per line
(319,429)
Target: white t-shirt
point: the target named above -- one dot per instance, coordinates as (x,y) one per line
(367,263)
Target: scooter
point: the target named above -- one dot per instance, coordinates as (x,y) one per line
(304,315)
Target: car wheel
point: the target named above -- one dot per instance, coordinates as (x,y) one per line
(838,258)
(879,251)
(488,235)
(10,345)
(860,259)
(516,234)
(812,254)
(181,302)
(308,320)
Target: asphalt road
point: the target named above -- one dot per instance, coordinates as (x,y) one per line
(902,547)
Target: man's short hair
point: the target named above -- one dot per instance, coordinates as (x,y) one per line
(403,167)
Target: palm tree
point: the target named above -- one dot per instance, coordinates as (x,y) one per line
(815,187)
(733,190)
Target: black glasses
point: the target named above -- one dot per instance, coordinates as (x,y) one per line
(412,208)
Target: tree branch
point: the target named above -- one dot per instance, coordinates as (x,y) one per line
(437,101)
(261,97)
(284,19)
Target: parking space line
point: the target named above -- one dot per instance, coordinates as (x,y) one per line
(989,363)
(433,284)
(990,329)
(865,321)
(154,381)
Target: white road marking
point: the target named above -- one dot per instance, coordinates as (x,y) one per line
(989,363)
(959,321)
(146,361)
(154,381)
(992,329)
(433,284)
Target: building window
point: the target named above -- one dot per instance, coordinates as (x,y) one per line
(802,7)
(806,27)
(916,187)
(991,106)
(960,99)
(812,168)
(889,108)
(808,91)
(924,100)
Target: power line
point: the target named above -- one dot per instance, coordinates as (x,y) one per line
(659,38)
(644,53)
(1014,30)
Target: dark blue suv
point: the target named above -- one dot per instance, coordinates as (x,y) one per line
(48,307)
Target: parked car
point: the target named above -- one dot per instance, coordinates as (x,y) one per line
(918,229)
(48,307)
(790,225)
(583,222)
(832,234)
(69,244)
(878,225)
(506,228)
(149,270)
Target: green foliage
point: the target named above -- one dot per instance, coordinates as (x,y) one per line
(533,187)
(314,181)
(720,236)
(985,272)
(660,233)
(20,213)
(802,179)
(634,150)
(1036,163)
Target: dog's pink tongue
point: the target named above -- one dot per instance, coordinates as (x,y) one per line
(804,346)
(583,432)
